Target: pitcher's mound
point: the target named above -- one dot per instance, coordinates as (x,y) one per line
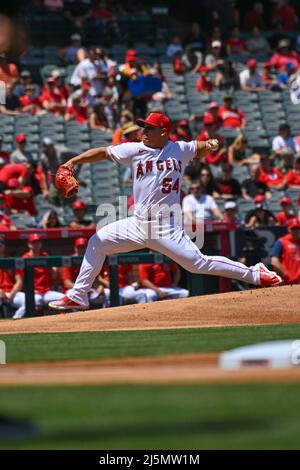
(255,307)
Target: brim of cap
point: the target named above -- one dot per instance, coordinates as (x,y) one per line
(143,122)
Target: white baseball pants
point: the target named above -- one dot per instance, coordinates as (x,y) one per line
(135,233)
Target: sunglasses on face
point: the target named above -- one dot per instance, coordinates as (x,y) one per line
(195,188)
(205,174)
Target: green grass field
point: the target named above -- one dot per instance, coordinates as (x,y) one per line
(157,417)
(96,345)
(240,416)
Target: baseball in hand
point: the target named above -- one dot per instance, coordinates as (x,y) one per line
(212,144)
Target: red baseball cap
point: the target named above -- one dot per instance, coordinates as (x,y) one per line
(259,198)
(20,138)
(12,183)
(156,120)
(183,122)
(203,68)
(285,200)
(34,237)
(131,54)
(207,120)
(212,105)
(79,204)
(267,64)
(81,241)
(293,223)
(251,63)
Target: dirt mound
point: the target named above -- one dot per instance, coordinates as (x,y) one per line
(255,307)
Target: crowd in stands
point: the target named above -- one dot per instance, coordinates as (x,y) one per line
(104,94)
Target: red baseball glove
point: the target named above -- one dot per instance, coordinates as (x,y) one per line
(65,181)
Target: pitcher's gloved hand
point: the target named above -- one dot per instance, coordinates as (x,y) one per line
(65,181)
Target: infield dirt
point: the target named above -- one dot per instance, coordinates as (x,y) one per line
(255,307)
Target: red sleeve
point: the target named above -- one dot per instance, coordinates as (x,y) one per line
(145,271)
(23,171)
(67,273)
(290,177)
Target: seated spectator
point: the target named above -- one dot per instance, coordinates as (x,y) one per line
(227,187)
(252,186)
(207,180)
(227,78)
(250,79)
(209,132)
(70,273)
(125,117)
(254,18)
(12,102)
(174,46)
(77,110)
(29,103)
(292,179)
(195,38)
(200,205)
(216,35)
(77,13)
(3,153)
(192,59)
(73,53)
(181,131)
(287,213)
(268,78)
(35,177)
(231,116)
(284,143)
(25,80)
(215,56)
(12,170)
(5,222)
(235,45)
(131,132)
(50,220)
(42,276)
(286,13)
(179,67)
(79,211)
(20,155)
(52,156)
(277,36)
(204,83)
(213,113)
(259,216)
(257,44)
(19,198)
(269,174)
(284,55)
(98,118)
(285,76)
(285,254)
(52,99)
(192,170)
(10,284)
(240,154)
(231,216)
(9,73)
(162,280)
(59,77)
(131,288)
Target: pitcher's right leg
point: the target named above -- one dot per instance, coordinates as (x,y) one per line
(117,237)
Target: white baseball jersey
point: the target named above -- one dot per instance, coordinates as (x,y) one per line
(157,173)
(157,178)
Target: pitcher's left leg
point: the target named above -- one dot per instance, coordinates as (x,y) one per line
(181,249)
